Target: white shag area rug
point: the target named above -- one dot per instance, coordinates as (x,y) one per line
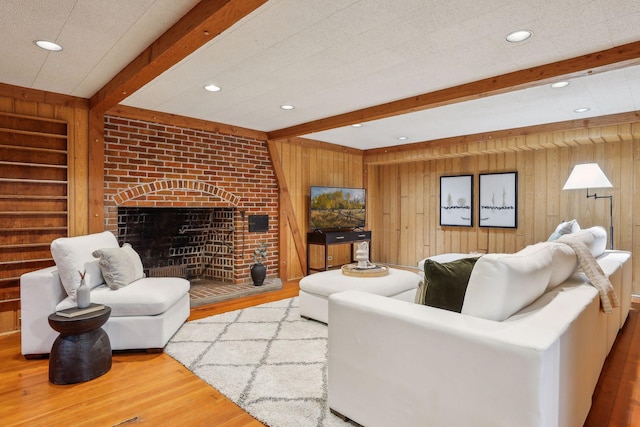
(267,359)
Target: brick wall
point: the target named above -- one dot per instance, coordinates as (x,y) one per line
(151,164)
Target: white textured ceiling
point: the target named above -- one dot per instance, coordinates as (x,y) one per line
(99,39)
(329,57)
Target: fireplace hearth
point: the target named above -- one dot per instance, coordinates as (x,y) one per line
(194,243)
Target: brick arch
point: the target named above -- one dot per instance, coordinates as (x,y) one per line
(131,193)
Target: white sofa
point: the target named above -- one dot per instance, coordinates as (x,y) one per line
(144,314)
(398,363)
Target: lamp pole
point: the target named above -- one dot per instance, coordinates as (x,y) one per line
(610,197)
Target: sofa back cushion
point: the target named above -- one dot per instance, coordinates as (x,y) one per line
(502,284)
(73,255)
(563,261)
(595,238)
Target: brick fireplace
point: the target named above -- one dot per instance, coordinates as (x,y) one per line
(196,176)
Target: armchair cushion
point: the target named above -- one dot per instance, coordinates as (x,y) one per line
(72,255)
(148,296)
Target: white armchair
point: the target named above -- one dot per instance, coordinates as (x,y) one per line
(144,314)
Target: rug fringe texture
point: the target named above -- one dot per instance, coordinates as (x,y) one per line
(267,359)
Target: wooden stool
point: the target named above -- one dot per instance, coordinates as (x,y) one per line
(82,351)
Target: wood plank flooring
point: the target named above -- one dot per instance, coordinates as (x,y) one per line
(155,390)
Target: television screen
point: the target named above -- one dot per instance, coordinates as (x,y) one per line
(337,208)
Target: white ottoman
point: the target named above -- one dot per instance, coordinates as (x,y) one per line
(316,288)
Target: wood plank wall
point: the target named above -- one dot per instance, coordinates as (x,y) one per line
(307,163)
(75,111)
(404,192)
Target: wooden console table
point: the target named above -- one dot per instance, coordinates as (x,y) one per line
(334,238)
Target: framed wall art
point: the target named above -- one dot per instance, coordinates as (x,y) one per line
(498,200)
(456,200)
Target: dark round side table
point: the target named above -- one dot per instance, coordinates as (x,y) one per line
(82,351)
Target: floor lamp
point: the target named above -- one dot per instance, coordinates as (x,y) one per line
(589,175)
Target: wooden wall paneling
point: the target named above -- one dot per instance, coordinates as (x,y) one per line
(482,234)
(406,238)
(374,217)
(635,228)
(94,153)
(510,237)
(624,199)
(430,208)
(523,202)
(287,208)
(542,203)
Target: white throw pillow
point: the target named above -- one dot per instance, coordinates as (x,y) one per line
(565,227)
(73,255)
(502,284)
(135,257)
(119,266)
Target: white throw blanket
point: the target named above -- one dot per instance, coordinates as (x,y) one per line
(591,268)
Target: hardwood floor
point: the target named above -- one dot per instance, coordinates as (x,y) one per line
(155,390)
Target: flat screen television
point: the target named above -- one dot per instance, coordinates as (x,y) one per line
(337,208)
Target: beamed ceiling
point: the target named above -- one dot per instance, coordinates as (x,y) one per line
(425,70)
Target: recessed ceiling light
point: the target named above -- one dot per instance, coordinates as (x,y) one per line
(212,88)
(287,107)
(581,110)
(402,138)
(47,45)
(519,36)
(356,125)
(557,85)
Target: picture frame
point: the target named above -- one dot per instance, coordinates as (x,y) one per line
(456,201)
(498,205)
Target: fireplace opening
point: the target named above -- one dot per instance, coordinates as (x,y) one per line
(194,243)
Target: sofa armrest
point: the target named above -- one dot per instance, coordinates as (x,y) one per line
(398,363)
(40,293)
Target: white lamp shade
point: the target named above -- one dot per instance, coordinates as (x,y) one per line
(588,175)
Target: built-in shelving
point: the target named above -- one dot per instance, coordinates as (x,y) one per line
(33,195)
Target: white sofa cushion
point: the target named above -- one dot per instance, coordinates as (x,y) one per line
(148,296)
(502,284)
(595,238)
(563,261)
(73,255)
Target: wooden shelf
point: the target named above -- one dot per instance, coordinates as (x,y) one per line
(36,149)
(30,197)
(28,261)
(33,165)
(26,245)
(34,183)
(31,213)
(28,229)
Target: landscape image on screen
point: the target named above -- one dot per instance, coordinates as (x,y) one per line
(337,208)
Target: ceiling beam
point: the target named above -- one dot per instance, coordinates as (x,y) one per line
(605,60)
(201,24)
